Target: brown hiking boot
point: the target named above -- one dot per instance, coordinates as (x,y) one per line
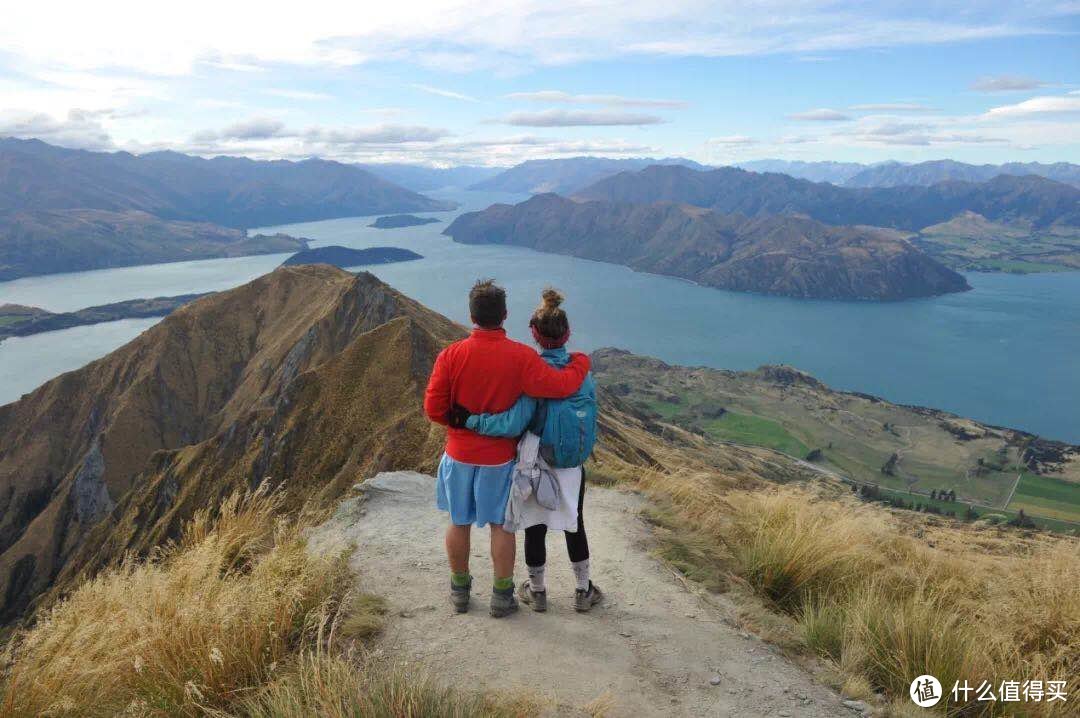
(459,596)
(536,599)
(585,600)
(503,602)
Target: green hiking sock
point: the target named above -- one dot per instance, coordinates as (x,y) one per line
(501,584)
(459,579)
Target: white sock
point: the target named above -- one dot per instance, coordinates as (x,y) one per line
(581,574)
(536,578)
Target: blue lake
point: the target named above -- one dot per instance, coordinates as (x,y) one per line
(1004,353)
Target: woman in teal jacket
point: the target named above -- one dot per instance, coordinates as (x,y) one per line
(551,330)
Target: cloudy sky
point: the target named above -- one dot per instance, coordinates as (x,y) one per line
(446,82)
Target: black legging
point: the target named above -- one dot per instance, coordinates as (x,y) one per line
(577,543)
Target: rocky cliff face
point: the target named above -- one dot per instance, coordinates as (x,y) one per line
(307,379)
(788,256)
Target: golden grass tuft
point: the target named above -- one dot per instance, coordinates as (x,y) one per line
(601,706)
(238,618)
(209,617)
(884,597)
(323,683)
(363,617)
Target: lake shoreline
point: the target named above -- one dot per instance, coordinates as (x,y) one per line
(971,354)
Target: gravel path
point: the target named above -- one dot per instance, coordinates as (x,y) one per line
(655,648)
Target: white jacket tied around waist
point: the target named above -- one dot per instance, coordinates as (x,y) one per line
(531,474)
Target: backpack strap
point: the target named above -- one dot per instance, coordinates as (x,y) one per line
(539,417)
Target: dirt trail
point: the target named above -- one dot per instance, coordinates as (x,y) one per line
(655,646)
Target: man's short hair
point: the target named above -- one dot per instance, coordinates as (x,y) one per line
(487,304)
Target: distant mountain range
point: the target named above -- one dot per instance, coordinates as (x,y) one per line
(74,240)
(895,174)
(566,176)
(833,172)
(782,255)
(230,191)
(420,178)
(1034,200)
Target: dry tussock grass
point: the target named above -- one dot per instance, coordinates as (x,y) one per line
(882,597)
(353,685)
(236,619)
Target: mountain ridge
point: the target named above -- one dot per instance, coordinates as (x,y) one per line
(231,191)
(36,242)
(895,174)
(891,173)
(786,256)
(567,175)
(727,189)
(214,373)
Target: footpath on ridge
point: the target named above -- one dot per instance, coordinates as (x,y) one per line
(655,648)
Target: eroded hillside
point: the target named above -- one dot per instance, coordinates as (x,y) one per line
(308,376)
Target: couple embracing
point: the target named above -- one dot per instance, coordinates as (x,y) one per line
(520,425)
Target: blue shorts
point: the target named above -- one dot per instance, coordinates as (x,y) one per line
(473,494)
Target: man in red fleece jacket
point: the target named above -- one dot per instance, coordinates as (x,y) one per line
(486,373)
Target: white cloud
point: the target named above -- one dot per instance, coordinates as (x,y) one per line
(822,114)
(239,137)
(246,35)
(560,97)
(1037,106)
(1006,83)
(297,94)
(374,146)
(258,128)
(80,129)
(893,107)
(378,134)
(444,93)
(575,118)
(728,140)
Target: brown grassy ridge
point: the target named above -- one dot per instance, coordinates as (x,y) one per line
(236,619)
(881,597)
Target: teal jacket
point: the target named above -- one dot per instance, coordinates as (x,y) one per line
(515,420)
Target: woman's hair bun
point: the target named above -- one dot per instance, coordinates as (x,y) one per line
(552,298)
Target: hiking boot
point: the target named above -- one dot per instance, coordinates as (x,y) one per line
(459,596)
(536,599)
(503,602)
(585,600)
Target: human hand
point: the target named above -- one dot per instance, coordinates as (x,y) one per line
(457,416)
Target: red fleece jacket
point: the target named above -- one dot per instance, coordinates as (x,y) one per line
(486,373)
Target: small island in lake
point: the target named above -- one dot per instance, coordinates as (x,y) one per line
(344,257)
(396,221)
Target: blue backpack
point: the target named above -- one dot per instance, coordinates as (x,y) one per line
(567,427)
